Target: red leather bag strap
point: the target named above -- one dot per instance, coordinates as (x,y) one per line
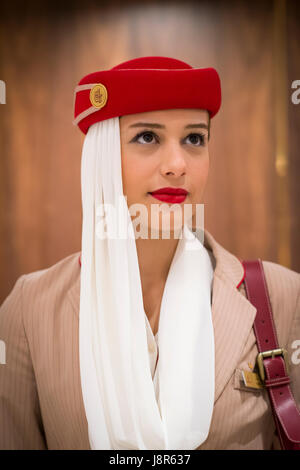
(274,369)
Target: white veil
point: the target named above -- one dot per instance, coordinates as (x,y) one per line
(118,391)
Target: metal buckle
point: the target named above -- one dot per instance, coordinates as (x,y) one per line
(272,353)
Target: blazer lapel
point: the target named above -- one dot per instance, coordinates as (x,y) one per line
(233,315)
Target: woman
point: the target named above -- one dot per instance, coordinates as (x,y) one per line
(142,342)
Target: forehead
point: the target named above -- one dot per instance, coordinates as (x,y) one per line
(166,116)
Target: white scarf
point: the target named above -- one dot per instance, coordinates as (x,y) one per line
(117,386)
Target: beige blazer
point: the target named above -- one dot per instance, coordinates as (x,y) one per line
(41,404)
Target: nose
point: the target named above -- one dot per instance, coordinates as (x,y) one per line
(173,161)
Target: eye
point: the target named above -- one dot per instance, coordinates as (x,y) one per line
(147,136)
(197,138)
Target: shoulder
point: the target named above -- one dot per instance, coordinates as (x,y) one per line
(60,274)
(283,286)
(281,281)
(38,286)
(53,282)
(36,299)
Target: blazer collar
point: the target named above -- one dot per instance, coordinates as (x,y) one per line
(232,314)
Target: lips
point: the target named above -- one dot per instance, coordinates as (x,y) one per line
(173,191)
(172,195)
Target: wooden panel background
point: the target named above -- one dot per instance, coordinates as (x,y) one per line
(46,49)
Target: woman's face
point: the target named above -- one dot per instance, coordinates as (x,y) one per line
(165,148)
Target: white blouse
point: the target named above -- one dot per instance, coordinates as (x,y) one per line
(152,346)
(153,356)
(152,341)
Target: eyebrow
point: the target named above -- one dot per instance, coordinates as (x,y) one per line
(160,126)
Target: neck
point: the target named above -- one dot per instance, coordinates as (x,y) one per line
(155,257)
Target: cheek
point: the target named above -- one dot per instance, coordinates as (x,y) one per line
(200,173)
(134,175)
(205,170)
(127,171)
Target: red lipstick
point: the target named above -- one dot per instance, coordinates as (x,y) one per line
(172,195)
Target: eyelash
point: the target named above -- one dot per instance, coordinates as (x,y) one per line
(202,137)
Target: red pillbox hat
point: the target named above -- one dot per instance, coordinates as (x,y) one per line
(145,84)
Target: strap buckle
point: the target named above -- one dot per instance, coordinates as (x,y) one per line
(272,353)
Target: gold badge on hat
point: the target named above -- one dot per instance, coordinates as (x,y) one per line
(98,95)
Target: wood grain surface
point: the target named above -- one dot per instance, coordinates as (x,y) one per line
(46,48)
